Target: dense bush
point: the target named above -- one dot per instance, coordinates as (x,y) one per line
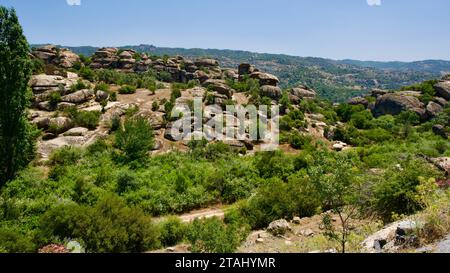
(127,89)
(395,192)
(214,236)
(173,231)
(109,226)
(87,119)
(277,200)
(11,241)
(135,139)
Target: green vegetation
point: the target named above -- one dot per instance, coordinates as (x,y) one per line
(16,134)
(127,89)
(87,119)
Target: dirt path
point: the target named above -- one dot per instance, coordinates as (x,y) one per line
(218,211)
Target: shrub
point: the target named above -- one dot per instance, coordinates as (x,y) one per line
(362,120)
(126,181)
(109,226)
(155,106)
(102,87)
(113,96)
(116,122)
(54,99)
(173,231)
(66,156)
(395,192)
(277,200)
(135,139)
(164,76)
(87,119)
(11,241)
(87,73)
(80,85)
(127,89)
(214,236)
(299,141)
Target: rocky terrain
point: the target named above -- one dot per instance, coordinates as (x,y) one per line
(212,87)
(334,80)
(74,108)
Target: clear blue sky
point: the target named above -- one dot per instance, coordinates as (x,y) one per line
(395,30)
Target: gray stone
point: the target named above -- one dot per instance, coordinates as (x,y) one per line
(279,227)
(443,89)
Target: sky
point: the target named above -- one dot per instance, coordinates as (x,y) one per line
(379,30)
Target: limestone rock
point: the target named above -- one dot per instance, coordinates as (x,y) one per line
(78,96)
(300,93)
(78,131)
(279,227)
(443,89)
(394,104)
(265,78)
(273,92)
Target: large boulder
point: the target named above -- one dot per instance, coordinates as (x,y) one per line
(273,92)
(47,53)
(394,104)
(60,124)
(392,237)
(246,69)
(219,86)
(42,83)
(206,62)
(301,93)
(67,59)
(359,101)
(78,131)
(279,227)
(105,58)
(265,78)
(51,54)
(443,89)
(80,96)
(433,109)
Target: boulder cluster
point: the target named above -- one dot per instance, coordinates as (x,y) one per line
(53,55)
(393,103)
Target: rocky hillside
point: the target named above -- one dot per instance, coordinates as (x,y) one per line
(60,98)
(334,80)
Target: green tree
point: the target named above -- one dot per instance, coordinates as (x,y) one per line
(135,139)
(16,134)
(335,183)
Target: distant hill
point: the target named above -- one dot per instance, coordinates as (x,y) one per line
(334,80)
(431,66)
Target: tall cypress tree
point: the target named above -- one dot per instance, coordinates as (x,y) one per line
(16,134)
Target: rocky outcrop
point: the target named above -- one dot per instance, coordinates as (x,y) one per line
(359,101)
(265,78)
(220,87)
(79,96)
(394,104)
(273,92)
(379,92)
(393,237)
(206,62)
(301,93)
(126,60)
(443,89)
(105,58)
(433,109)
(62,57)
(246,69)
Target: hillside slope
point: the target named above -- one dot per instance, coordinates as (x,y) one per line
(334,80)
